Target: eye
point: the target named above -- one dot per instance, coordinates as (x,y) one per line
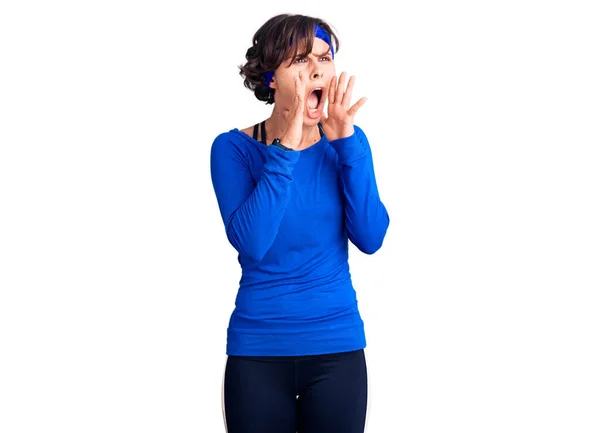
(325,58)
(300,60)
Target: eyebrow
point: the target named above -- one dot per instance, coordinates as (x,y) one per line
(324,54)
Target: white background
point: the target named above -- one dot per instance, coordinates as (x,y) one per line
(116,278)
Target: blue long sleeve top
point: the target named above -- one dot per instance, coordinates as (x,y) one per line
(290,216)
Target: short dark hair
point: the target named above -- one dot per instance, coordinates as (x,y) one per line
(281,37)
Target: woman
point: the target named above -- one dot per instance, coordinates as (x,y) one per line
(293,190)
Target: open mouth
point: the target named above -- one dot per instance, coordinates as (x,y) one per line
(314,99)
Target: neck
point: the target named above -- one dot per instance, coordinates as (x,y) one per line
(275,126)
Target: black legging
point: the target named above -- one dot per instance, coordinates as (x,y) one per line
(304,394)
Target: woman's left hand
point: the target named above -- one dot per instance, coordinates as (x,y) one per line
(339,121)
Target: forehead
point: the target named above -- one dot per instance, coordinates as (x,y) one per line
(320,46)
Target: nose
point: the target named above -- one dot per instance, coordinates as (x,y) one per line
(317,73)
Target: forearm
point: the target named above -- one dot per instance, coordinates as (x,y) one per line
(253,226)
(367,219)
(252,213)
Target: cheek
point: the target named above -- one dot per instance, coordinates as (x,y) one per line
(289,89)
(285,93)
(284,84)
(330,71)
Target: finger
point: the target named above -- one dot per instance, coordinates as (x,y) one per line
(299,108)
(332,86)
(323,118)
(340,88)
(289,113)
(356,106)
(298,96)
(348,93)
(297,84)
(301,89)
(292,113)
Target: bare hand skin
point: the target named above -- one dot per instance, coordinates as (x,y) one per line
(339,121)
(292,134)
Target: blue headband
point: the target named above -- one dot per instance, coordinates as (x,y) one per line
(319,33)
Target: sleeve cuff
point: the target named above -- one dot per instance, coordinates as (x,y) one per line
(350,148)
(281,161)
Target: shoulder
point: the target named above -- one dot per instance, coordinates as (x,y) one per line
(229,141)
(235,146)
(360,133)
(248,131)
(226,146)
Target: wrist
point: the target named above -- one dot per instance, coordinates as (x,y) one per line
(277,143)
(351,148)
(345,133)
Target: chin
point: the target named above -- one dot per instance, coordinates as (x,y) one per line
(311,122)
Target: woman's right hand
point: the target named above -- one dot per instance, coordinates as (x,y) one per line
(292,134)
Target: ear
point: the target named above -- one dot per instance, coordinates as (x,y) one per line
(273,84)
